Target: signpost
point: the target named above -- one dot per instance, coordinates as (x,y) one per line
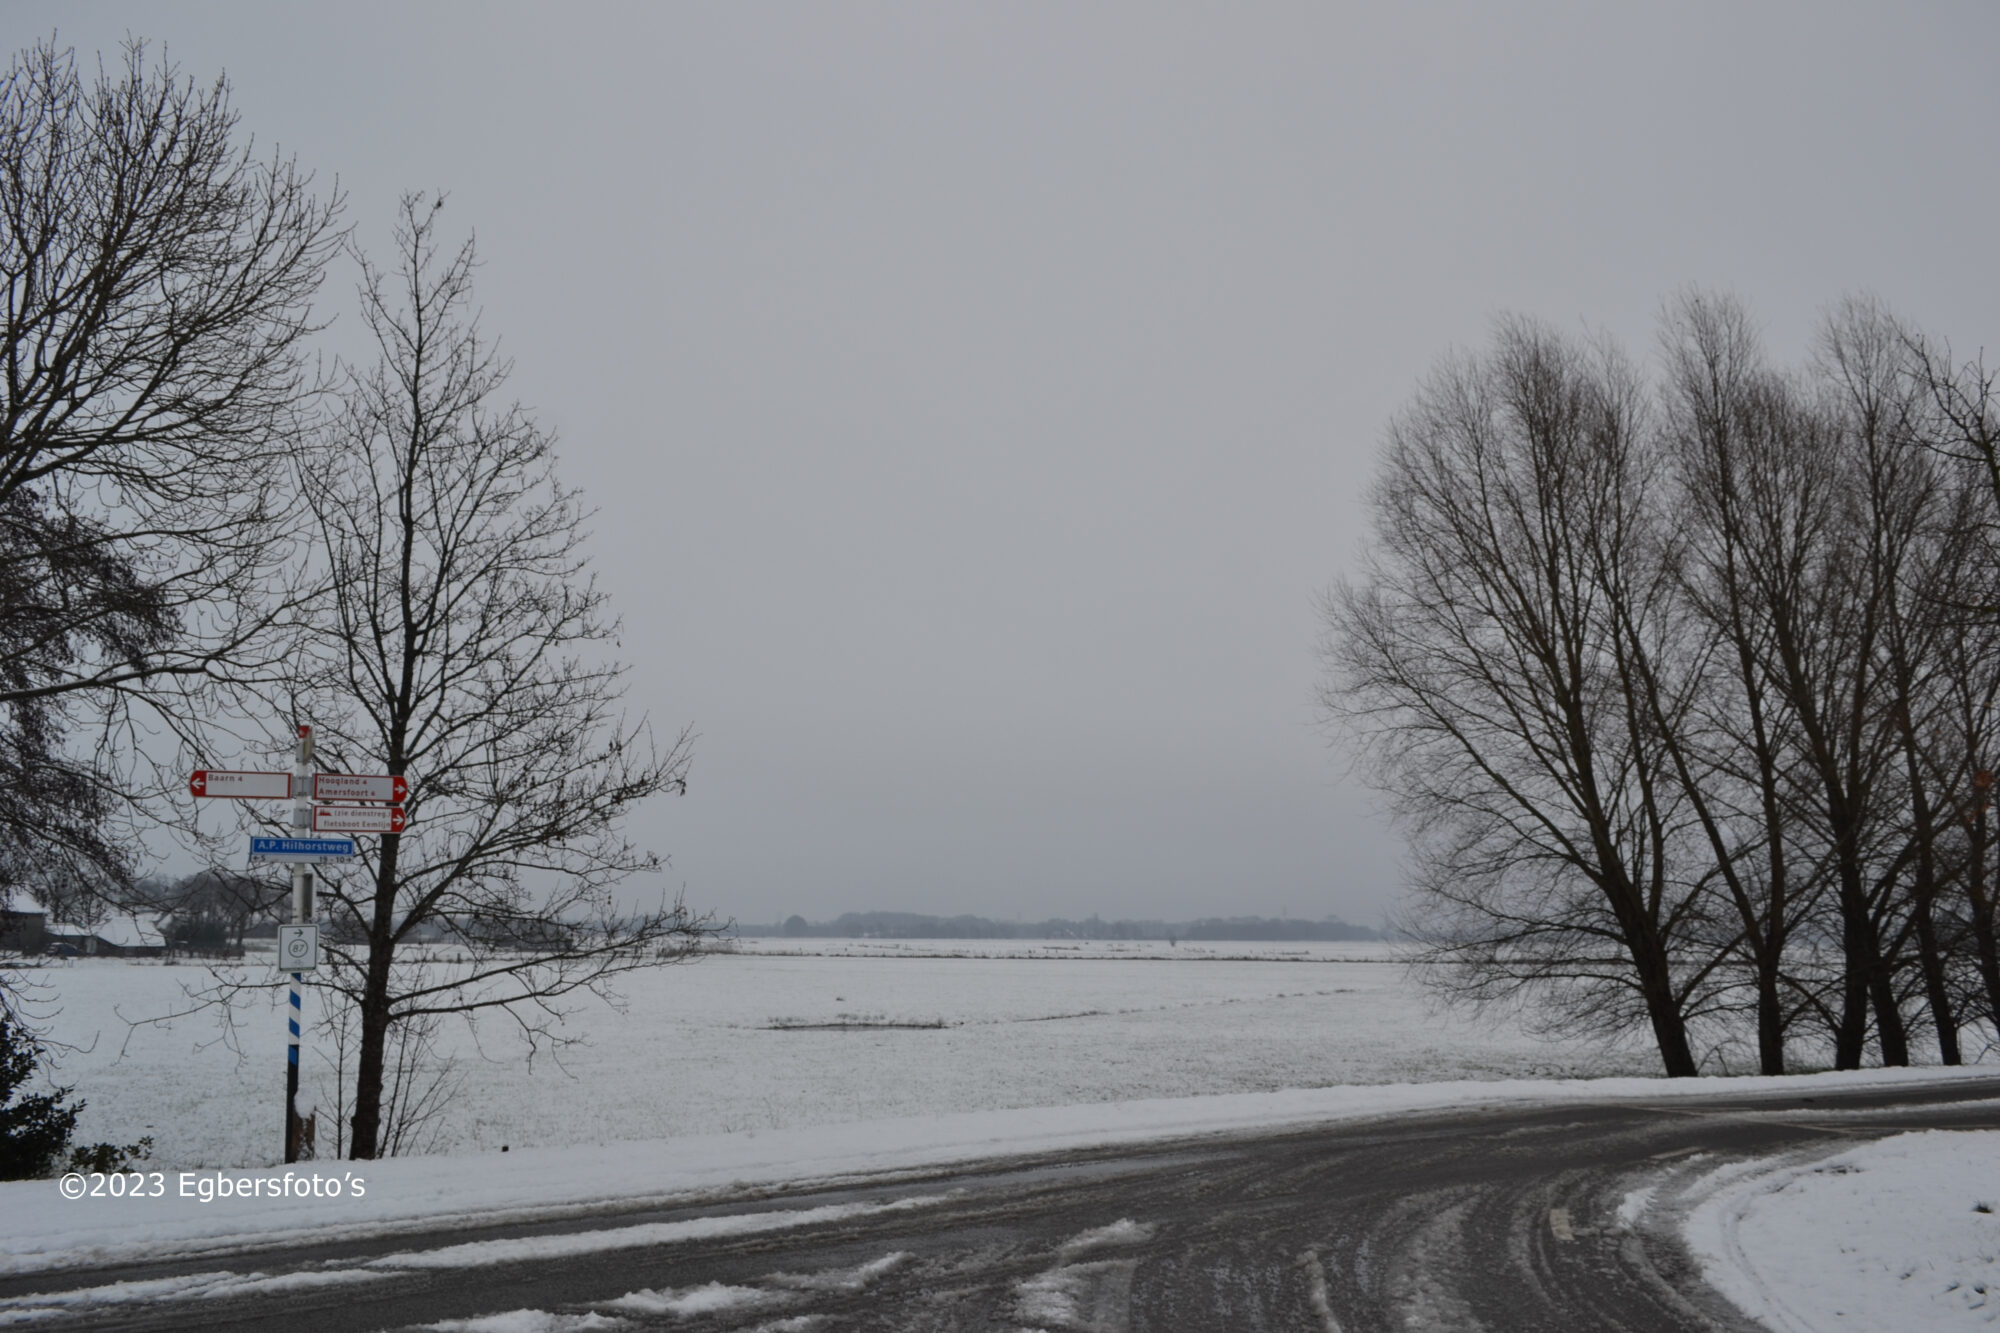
(358,819)
(241,786)
(298,943)
(360,787)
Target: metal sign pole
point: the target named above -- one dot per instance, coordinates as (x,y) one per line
(298,943)
(301,914)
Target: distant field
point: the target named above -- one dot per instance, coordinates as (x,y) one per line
(784,1033)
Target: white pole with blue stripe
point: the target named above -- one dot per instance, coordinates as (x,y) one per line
(301,914)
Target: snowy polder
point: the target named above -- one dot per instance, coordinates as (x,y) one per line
(791,1034)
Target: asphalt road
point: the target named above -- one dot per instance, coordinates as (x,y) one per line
(1497,1219)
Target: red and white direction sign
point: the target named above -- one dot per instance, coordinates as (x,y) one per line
(358,819)
(358,787)
(242,786)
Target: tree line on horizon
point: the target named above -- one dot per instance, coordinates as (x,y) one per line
(919,926)
(1682,684)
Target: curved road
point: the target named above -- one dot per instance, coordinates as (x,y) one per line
(1497,1219)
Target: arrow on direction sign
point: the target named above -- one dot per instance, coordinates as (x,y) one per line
(358,819)
(242,786)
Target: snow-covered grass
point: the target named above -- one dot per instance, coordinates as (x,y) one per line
(783,1034)
(1899,1234)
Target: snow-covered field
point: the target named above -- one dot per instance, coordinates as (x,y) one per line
(822,1060)
(788,1034)
(1902,1233)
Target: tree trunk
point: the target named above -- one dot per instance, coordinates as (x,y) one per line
(1866,976)
(1669,1028)
(1852,1035)
(1943,1016)
(1981,901)
(1770,1015)
(1656,983)
(367,1122)
(1924,889)
(374,1006)
(1988,938)
(1889,1026)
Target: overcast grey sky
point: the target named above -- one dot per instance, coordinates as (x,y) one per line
(977,397)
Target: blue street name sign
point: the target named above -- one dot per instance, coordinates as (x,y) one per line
(301,849)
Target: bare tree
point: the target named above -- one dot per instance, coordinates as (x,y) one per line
(1742,464)
(155,288)
(1838,670)
(1693,705)
(1959,422)
(463,642)
(1925,631)
(212,908)
(1516,611)
(1801,508)
(1972,677)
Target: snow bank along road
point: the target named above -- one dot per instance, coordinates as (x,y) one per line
(1502,1218)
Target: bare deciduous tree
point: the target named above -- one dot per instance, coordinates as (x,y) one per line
(1959,422)
(1693,702)
(1743,466)
(463,642)
(213,908)
(1833,659)
(155,289)
(1496,657)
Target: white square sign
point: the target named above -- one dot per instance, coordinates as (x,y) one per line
(298,948)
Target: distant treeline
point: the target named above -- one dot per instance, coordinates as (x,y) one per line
(917,926)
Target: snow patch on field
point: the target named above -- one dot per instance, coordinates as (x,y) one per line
(1902,1233)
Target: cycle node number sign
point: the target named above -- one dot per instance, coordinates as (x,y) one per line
(298,948)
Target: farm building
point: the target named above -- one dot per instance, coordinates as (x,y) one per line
(125,936)
(22,923)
